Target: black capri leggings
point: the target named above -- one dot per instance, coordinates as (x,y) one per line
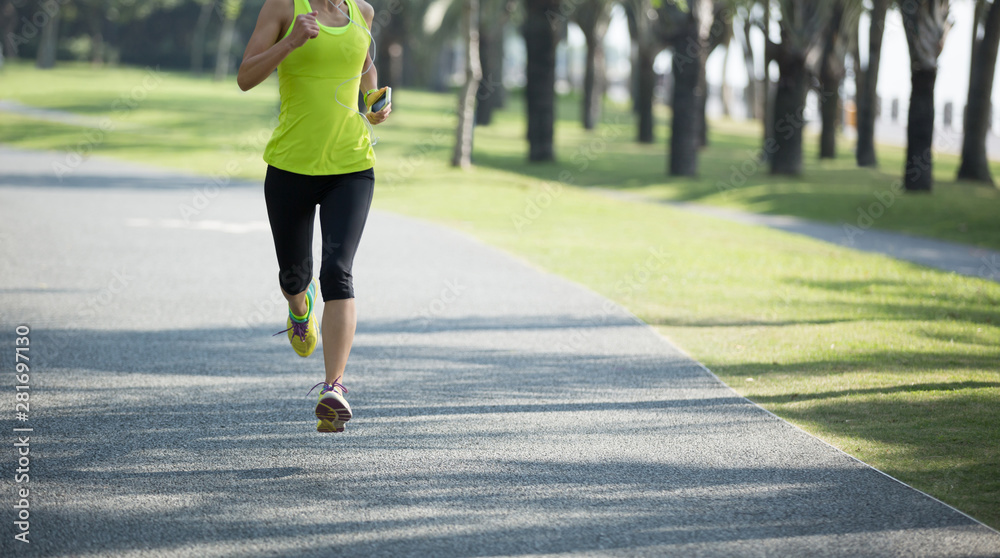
(344,201)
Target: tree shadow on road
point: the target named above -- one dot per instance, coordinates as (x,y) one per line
(194,442)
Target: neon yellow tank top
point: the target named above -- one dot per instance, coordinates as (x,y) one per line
(316,135)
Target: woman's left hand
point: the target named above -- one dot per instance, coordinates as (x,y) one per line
(379,117)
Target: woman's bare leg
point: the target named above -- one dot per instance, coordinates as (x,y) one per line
(297,303)
(340,320)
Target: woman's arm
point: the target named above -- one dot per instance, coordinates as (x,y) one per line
(264,49)
(369,80)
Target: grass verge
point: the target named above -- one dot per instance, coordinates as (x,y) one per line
(893,363)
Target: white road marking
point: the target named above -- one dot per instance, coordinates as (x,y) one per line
(204,225)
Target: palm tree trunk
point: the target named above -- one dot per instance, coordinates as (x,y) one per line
(223,55)
(830,115)
(686,119)
(830,75)
(96,21)
(975,165)
(787,115)
(766,89)
(491,52)
(725,91)
(467,99)
(593,17)
(46,58)
(540,37)
(926,26)
(198,37)
(593,82)
(690,51)
(703,110)
(753,84)
(868,92)
(646,87)
(920,131)
(9,16)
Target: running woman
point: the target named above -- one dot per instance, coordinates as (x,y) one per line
(320,154)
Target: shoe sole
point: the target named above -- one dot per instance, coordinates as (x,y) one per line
(332,411)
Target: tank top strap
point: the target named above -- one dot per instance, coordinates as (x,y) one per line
(355,11)
(302,7)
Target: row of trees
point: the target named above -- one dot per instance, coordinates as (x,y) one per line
(811,54)
(170,33)
(811,42)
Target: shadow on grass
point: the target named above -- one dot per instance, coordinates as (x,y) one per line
(909,388)
(945,442)
(888,361)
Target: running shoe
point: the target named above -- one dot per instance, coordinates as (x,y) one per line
(332,409)
(303,331)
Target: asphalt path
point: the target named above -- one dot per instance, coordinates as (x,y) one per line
(499,410)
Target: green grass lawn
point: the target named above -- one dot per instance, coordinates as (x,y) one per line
(893,363)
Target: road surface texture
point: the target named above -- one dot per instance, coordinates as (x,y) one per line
(499,410)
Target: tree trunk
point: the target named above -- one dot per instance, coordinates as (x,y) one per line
(754,110)
(646,87)
(198,37)
(593,82)
(690,89)
(975,165)
(541,37)
(787,114)
(593,17)
(49,43)
(767,101)
(703,109)
(491,52)
(920,131)
(686,119)
(9,16)
(725,91)
(96,37)
(868,90)
(926,25)
(223,56)
(467,98)
(830,113)
(831,73)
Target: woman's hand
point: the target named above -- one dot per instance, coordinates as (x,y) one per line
(379,117)
(303,28)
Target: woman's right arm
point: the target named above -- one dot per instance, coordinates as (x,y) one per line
(264,49)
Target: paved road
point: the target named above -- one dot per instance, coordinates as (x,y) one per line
(500,410)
